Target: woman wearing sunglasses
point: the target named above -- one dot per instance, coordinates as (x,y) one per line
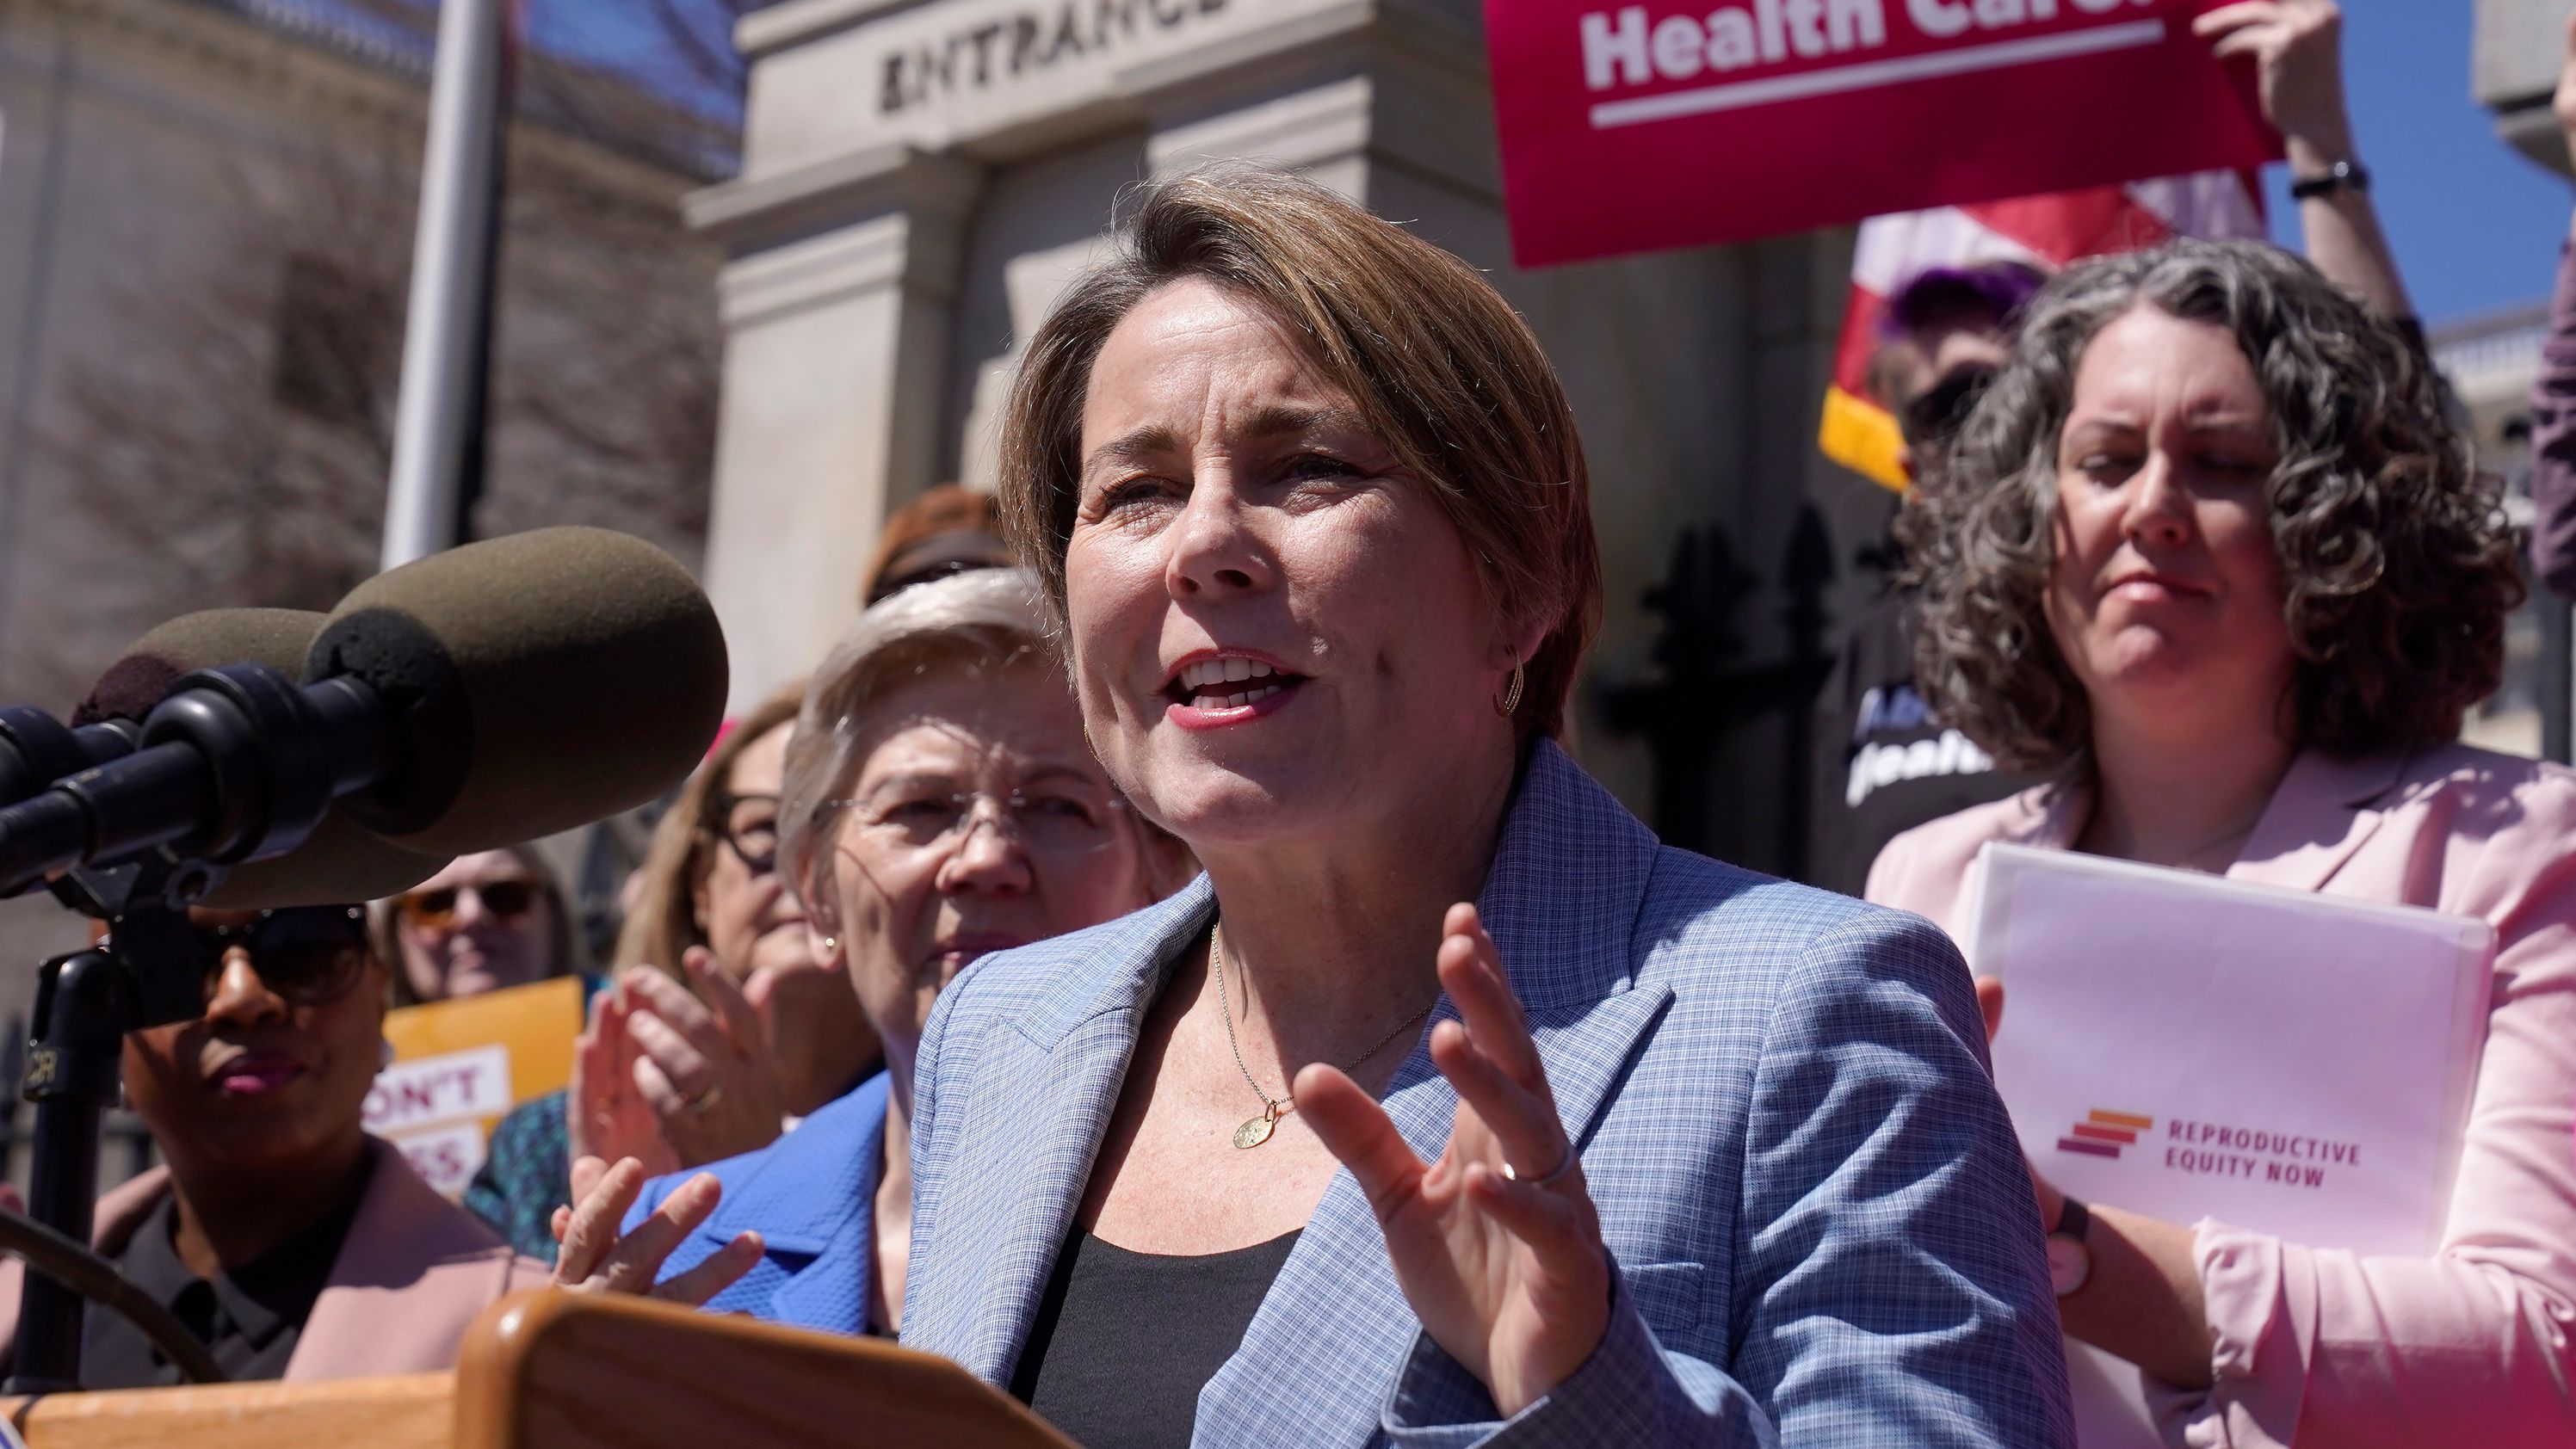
(724,1023)
(292,1243)
(490,920)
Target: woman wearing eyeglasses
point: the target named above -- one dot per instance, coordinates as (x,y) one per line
(940,804)
(292,1243)
(724,1023)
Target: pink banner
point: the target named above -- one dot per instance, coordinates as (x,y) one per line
(1630,127)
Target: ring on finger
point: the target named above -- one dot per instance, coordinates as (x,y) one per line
(708,1098)
(1555,1174)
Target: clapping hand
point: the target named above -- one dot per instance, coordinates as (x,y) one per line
(595,1257)
(605,1115)
(1496,1245)
(673,1079)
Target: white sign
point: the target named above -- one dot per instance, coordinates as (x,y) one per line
(2186,1046)
(431,1091)
(445,1157)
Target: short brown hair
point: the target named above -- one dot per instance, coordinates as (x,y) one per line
(2396,560)
(1442,369)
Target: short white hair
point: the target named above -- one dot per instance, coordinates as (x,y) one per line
(981,619)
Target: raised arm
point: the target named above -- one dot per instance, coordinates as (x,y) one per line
(2297,51)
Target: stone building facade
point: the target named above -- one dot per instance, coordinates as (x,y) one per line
(205,225)
(920,179)
(2514,69)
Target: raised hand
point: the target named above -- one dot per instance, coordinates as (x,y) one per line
(2298,65)
(702,1063)
(1496,1245)
(605,1114)
(596,1258)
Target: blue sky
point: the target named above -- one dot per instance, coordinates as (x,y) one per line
(2476,227)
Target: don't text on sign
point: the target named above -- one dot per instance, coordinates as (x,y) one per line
(458,1065)
(1635,126)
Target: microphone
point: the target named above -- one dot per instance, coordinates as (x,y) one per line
(536,682)
(340,862)
(36,750)
(470,700)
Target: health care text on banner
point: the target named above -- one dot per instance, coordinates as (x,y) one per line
(458,1065)
(1632,127)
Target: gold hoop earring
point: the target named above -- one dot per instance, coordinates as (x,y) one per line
(1511,699)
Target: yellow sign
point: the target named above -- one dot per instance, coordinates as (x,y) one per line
(458,1065)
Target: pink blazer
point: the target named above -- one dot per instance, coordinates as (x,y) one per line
(2470,1346)
(411,1276)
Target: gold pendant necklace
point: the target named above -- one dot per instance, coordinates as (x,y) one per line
(1257,1130)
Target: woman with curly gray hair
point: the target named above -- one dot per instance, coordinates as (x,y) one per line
(2209,553)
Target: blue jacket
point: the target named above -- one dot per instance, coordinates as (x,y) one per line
(1824,1232)
(811,1195)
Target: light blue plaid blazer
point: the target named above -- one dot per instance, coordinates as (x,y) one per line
(1824,1231)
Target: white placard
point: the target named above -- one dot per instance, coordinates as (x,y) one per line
(461,1086)
(2187,1046)
(445,1157)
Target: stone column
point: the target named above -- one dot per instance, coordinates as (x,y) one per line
(836,311)
(2514,70)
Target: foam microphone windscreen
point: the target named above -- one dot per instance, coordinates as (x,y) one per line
(141,677)
(543,680)
(339,863)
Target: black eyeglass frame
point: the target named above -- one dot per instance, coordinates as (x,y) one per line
(718,824)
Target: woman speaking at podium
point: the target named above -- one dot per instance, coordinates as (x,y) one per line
(1634,1149)
(2209,551)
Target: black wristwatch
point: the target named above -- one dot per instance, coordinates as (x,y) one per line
(2343,175)
(2070,1262)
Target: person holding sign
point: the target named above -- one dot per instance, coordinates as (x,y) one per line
(294,1244)
(2211,554)
(1636,1149)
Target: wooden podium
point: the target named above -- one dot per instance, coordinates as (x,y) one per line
(552,1370)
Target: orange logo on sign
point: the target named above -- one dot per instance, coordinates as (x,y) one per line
(2103,1134)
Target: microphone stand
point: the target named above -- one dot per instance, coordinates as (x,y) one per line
(85,1004)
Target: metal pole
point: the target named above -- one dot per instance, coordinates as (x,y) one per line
(450,279)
